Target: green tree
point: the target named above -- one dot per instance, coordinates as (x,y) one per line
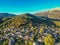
(49,40)
(5,42)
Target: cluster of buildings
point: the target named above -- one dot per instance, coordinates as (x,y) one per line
(27,34)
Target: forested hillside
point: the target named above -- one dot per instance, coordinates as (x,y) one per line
(25,20)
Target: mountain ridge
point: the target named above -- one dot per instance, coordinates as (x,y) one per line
(53,13)
(2,15)
(25,20)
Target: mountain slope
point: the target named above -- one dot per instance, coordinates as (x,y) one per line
(53,13)
(2,15)
(25,20)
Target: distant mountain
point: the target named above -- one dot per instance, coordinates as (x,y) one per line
(6,15)
(53,13)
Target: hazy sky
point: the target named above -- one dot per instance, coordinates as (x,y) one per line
(25,6)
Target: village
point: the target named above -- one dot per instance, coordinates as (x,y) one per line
(35,36)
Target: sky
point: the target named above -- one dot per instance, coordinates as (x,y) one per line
(27,6)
